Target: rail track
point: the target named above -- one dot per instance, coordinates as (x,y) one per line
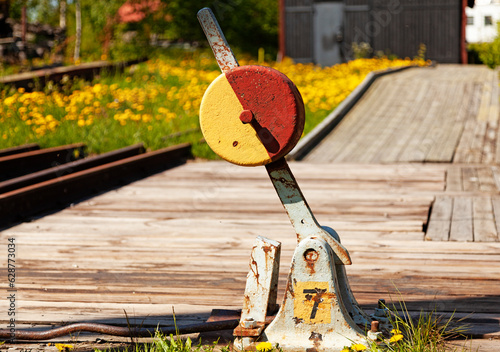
(34,180)
(37,79)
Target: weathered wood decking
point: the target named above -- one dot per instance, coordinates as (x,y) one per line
(182,238)
(438,114)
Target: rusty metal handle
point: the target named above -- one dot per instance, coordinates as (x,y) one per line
(298,210)
(223,53)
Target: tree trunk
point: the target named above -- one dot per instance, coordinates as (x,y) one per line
(78,15)
(62,14)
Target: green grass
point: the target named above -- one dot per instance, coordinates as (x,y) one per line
(155,103)
(429,332)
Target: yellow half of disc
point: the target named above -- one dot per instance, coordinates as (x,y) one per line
(223,130)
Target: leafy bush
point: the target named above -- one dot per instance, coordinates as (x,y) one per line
(488,53)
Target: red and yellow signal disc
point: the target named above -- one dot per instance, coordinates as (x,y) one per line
(252,115)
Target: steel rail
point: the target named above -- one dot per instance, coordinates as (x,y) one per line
(70,168)
(20,203)
(20,149)
(28,335)
(39,78)
(19,164)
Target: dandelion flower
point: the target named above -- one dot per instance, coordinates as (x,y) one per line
(396,338)
(358,347)
(264,347)
(64,347)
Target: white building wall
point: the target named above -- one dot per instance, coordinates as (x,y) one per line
(480,30)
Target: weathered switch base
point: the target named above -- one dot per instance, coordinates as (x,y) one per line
(313,316)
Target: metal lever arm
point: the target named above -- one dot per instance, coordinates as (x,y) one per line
(298,210)
(223,53)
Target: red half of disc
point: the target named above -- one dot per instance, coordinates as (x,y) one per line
(276,104)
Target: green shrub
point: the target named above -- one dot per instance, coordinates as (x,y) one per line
(488,53)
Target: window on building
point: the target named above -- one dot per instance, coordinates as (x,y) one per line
(488,21)
(470,20)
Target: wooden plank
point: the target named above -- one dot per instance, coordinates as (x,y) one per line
(489,147)
(470,180)
(361,135)
(496,176)
(388,144)
(454,179)
(484,106)
(461,221)
(414,150)
(496,212)
(439,139)
(465,143)
(475,154)
(494,113)
(484,221)
(439,225)
(486,179)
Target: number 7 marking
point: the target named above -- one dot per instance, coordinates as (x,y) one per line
(317,299)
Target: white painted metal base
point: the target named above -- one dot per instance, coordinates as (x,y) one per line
(314,316)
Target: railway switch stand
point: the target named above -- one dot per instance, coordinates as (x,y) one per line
(253,116)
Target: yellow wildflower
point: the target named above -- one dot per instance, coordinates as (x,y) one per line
(358,347)
(64,347)
(396,338)
(395,331)
(264,347)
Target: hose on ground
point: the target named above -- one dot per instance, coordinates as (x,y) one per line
(116,330)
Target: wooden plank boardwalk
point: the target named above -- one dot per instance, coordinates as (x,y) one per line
(438,114)
(420,216)
(182,239)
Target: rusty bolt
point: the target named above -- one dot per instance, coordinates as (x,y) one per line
(246,116)
(311,255)
(249,323)
(374,326)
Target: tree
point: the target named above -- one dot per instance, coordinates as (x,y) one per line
(78,28)
(62,14)
(247,24)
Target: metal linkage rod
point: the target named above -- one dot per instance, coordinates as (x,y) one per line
(223,53)
(298,210)
(117,330)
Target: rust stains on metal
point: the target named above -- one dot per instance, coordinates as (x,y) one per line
(247,303)
(315,295)
(289,288)
(223,53)
(297,320)
(311,256)
(254,268)
(249,332)
(116,330)
(316,338)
